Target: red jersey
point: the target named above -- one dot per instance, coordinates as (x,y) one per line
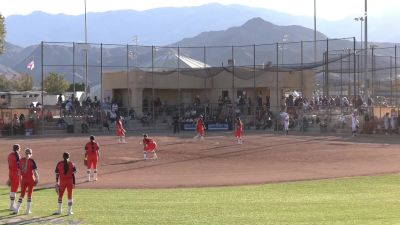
(200,124)
(13,164)
(239,126)
(27,167)
(149,144)
(69,176)
(92,148)
(120,128)
(147,141)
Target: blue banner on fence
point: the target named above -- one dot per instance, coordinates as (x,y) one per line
(211,127)
(218,126)
(189,126)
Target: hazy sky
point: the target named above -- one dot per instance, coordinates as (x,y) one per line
(327,9)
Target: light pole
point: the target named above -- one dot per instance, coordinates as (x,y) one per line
(348,52)
(366,83)
(373,68)
(361,19)
(135,54)
(86,57)
(282,46)
(315,30)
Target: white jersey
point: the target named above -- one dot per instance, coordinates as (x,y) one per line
(386,122)
(393,121)
(285,118)
(354,123)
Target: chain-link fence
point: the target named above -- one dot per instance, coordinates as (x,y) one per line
(320,84)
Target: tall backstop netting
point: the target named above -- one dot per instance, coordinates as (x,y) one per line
(84,87)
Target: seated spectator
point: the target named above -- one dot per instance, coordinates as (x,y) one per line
(114,107)
(84,125)
(29,127)
(49,116)
(145,120)
(113,116)
(132,114)
(61,123)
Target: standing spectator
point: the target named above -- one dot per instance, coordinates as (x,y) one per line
(386,122)
(354,124)
(65,179)
(59,100)
(114,107)
(96,102)
(249,106)
(393,122)
(176,124)
(30,178)
(285,120)
(77,106)
(69,107)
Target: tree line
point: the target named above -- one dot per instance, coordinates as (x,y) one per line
(53,84)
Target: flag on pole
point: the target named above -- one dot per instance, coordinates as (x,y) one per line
(31,65)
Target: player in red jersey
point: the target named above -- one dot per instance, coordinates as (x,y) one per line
(92,157)
(239,130)
(120,131)
(149,146)
(30,178)
(13,173)
(65,178)
(200,127)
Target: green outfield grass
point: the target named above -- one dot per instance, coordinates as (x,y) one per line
(363,200)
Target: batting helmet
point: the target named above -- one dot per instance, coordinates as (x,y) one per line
(91,137)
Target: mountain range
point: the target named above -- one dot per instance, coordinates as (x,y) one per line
(255,31)
(162,26)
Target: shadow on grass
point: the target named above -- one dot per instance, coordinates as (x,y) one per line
(50,219)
